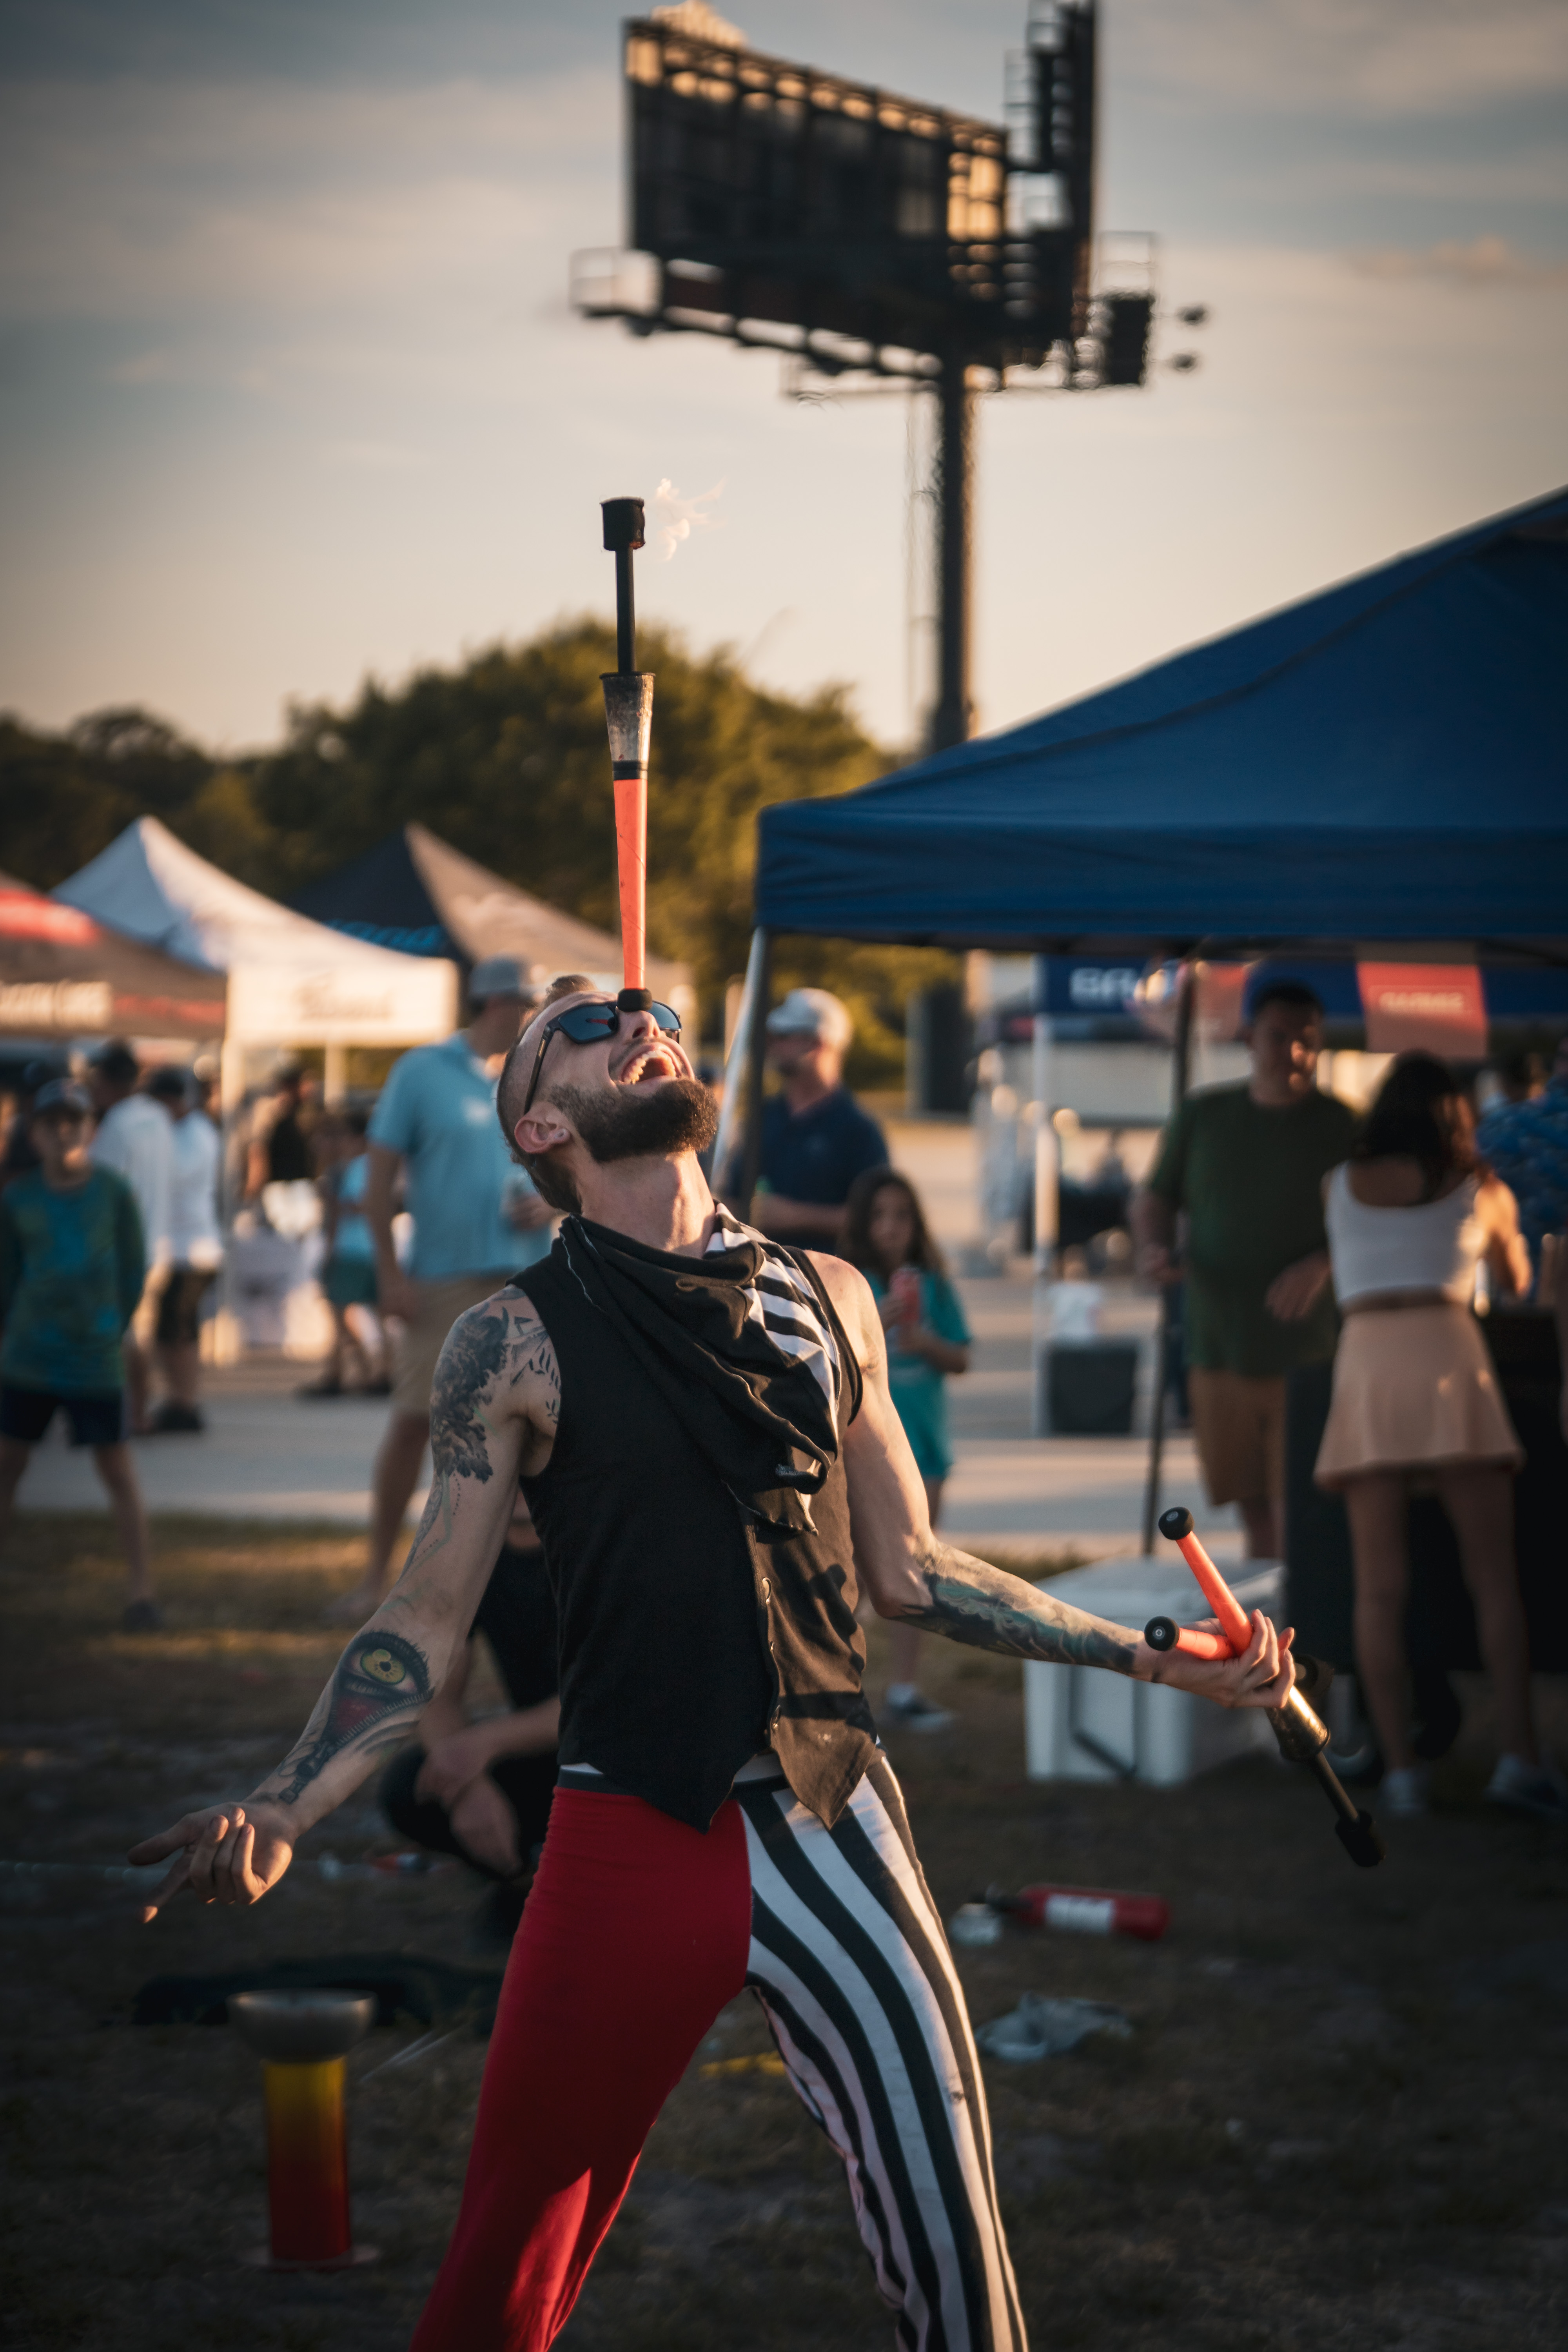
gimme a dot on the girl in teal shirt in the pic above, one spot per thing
(928, 1340)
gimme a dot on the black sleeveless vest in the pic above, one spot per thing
(691, 1633)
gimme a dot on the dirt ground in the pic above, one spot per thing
(1337, 2122)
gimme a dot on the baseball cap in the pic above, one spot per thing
(115, 1061)
(499, 975)
(812, 1013)
(63, 1094)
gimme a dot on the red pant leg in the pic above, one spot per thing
(633, 1936)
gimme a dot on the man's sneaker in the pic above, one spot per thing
(1537, 1789)
(1403, 1792)
(909, 1710)
(143, 1617)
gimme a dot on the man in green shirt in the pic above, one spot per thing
(1245, 1166)
(72, 1266)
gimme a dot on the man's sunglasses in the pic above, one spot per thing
(584, 1024)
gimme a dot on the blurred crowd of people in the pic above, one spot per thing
(1299, 1234)
(1303, 1235)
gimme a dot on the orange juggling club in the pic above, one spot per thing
(1300, 1732)
(628, 717)
(1234, 1622)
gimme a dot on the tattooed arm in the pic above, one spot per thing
(910, 1574)
(494, 1411)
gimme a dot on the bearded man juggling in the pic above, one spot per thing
(701, 1422)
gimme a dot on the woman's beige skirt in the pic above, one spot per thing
(1414, 1390)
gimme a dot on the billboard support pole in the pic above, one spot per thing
(953, 720)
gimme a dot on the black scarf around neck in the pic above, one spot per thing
(757, 1413)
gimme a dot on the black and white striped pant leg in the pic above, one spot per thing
(850, 1959)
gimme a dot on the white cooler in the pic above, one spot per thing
(1083, 1723)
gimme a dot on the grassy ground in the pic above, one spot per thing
(1338, 2121)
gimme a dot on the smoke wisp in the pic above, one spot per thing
(675, 517)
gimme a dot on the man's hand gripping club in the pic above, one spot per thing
(910, 1573)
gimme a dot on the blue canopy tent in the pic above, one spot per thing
(1384, 763)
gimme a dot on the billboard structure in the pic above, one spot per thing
(792, 210)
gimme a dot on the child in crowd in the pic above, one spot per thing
(72, 1266)
(348, 1275)
(928, 1340)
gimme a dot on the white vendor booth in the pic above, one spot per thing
(1083, 1723)
(292, 982)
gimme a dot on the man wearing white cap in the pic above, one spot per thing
(476, 1219)
(816, 1138)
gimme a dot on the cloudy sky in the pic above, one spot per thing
(290, 390)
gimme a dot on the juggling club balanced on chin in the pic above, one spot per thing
(628, 717)
(1302, 1735)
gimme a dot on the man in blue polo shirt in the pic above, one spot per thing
(476, 1221)
(815, 1138)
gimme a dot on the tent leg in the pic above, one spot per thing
(225, 1340)
(1045, 1179)
(759, 982)
(1181, 1059)
(727, 1169)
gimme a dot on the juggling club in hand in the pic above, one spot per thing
(1300, 1731)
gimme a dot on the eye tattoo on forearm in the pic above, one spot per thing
(380, 1681)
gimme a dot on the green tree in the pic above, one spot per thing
(504, 757)
(63, 798)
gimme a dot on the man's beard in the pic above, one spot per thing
(635, 1123)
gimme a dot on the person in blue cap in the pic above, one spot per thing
(815, 1138)
(72, 1266)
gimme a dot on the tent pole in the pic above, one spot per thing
(1045, 1179)
(757, 1057)
(726, 1174)
(1180, 1057)
(227, 1343)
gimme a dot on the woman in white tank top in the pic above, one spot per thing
(1410, 1218)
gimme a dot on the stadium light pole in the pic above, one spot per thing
(854, 231)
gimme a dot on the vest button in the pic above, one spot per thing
(767, 1590)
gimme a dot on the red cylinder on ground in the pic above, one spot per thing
(1092, 1911)
(307, 2161)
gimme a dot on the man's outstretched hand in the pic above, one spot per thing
(225, 1853)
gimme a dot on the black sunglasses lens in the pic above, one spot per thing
(668, 1020)
(584, 1023)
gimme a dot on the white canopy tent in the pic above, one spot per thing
(292, 982)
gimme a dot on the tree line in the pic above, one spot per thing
(505, 757)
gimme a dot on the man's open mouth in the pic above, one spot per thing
(657, 1062)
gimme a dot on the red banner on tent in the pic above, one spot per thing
(26, 915)
(1434, 1008)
